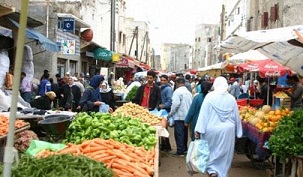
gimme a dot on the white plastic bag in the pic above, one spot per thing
(197, 157)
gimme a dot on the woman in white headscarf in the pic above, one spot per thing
(107, 95)
(219, 123)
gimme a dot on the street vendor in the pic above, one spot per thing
(296, 92)
(44, 102)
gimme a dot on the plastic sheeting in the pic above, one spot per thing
(27, 63)
(4, 65)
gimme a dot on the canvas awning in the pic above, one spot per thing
(5, 10)
(46, 43)
(284, 45)
(102, 54)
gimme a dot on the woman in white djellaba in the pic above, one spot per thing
(219, 123)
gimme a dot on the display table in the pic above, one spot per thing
(257, 137)
(4, 137)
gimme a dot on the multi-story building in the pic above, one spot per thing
(245, 15)
(137, 40)
(206, 36)
(176, 57)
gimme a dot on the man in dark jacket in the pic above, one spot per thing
(148, 95)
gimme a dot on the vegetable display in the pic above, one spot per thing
(4, 120)
(125, 160)
(22, 140)
(59, 165)
(131, 94)
(287, 138)
(103, 125)
(136, 111)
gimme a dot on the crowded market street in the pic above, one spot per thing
(171, 166)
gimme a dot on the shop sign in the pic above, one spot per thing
(68, 25)
(115, 57)
(68, 47)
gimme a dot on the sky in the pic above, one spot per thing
(174, 21)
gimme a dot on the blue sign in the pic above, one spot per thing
(68, 25)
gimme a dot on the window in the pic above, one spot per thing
(209, 39)
(199, 39)
(72, 67)
(237, 11)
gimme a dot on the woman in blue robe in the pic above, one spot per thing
(219, 123)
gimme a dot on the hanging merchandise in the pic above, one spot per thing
(27, 63)
(4, 65)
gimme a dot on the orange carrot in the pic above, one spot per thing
(121, 173)
(102, 143)
(119, 154)
(89, 149)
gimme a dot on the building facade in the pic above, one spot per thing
(206, 36)
(176, 57)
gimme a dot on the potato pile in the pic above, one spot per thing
(136, 111)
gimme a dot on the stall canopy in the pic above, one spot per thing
(283, 45)
(102, 54)
(125, 63)
(265, 68)
(46, 43)
(251, 55)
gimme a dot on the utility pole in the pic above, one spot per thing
(134, 35)
(145, 38)
(137, 44)
(112, 25)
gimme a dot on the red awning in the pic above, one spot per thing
(193, 71)
(144, 66)
(125, 62)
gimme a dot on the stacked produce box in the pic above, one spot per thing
(282, 100)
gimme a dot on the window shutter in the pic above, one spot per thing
(274, 13)
(264, 20)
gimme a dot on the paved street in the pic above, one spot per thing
(171, 166)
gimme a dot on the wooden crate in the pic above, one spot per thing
(269, 173)
(157, 153)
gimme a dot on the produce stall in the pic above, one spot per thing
(20, 126)
(258, 139)
(125, 142)
(258, 125)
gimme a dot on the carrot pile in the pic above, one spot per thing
(4, 122)
(125, 160)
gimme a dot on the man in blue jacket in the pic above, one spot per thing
(166, 102)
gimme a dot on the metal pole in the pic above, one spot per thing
(137, 45)
(9, 153)
(47, 17)
(112, 25)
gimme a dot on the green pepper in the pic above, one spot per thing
(114, 134)
(136, 138)
(111, 126)
(88, 131)
(88, 122)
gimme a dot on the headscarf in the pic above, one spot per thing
(205, 87)
(96, 80)
(95, 83)
(107, 89)
(220, 85)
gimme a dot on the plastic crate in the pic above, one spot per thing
(256, 102)
(242, 102)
